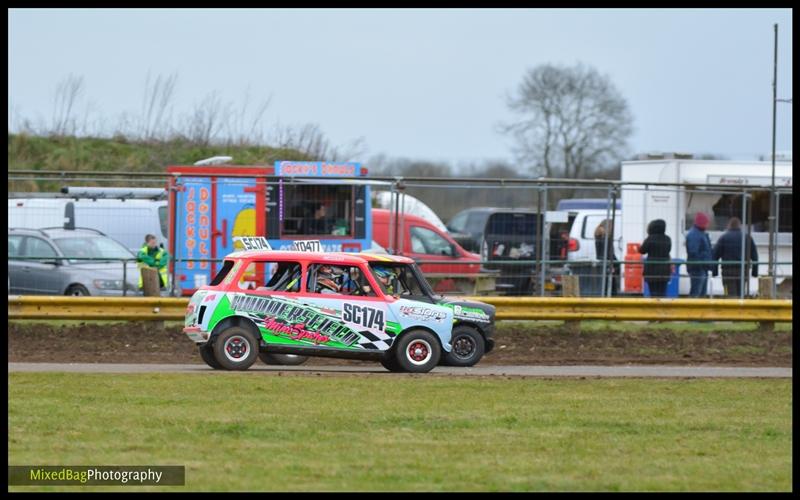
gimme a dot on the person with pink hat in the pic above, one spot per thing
(698, 256)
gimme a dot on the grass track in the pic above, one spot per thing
(410, 433)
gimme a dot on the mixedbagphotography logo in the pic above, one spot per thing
(97, 475)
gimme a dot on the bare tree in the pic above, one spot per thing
(309, 140)
(245, 127)
(206, 120)
(68, 92)
(573, 122)
(157, 99)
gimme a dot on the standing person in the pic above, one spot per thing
(605, 252)
(154, 256)
(729, 249)
(656, 246)
(698, 256)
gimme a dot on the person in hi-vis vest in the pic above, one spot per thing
(153, 256)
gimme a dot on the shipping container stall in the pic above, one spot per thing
(211, 205)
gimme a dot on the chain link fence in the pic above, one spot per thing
(523, 237)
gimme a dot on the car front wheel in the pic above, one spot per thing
(236, 348)
(467, 349)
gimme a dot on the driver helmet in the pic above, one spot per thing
(329, 280)
(382, 272)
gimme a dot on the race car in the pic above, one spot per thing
(283, 306)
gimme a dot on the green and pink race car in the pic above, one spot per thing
(283, 306)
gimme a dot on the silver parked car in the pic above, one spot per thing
(57, 267)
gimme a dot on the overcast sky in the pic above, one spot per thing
(419, 83)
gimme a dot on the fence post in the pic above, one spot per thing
(150, 282)
(605, 244)
(124, 278)
(544, 252)
(742, 248)
(570, 287)
(612, 275)
(774, 256)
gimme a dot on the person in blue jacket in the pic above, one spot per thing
(729, 248)
(698, 256)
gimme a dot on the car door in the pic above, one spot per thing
(16, 267)
(41, 274)
(368, 323)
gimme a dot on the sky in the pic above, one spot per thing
(424, 84)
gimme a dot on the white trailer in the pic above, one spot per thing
(677, 205)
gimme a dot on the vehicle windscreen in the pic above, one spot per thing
(91, 248)
(406, 280)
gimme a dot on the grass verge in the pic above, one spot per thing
(409, 433)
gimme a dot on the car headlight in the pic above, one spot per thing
(108, 284)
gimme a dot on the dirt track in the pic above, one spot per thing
(546, 345)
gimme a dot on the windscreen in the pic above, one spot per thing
(77, 248)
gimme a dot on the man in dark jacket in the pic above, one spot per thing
(698, 256)
(729, 248)
(657, 267)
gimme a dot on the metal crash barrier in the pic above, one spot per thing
(508, 308)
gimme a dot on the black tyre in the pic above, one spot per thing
(236, 348)
(390, 362)
(468, 347)
(417, 351)
(77, 291)
(207, 353)
(282, 359)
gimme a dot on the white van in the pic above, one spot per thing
(125, 220)
(581, 245)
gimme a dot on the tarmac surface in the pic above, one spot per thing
(639, 371)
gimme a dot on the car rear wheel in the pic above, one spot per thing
(282, 359)
(207, 353)
(77, 291)
(236, 348)
(417, 351)
(468, 347)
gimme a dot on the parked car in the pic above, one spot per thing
(422, 241)
(45, 262)
(581, 249)
(344, 305)
(125, 220)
